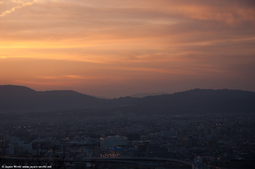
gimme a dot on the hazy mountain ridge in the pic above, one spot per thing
(23, 99)
(200, 101)
(141, 95)
(20, 99)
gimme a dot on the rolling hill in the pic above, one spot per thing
(23, 99)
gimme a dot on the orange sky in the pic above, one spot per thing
(116, 48)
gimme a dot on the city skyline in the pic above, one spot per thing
(116, 48)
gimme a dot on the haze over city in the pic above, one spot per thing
(116, 48)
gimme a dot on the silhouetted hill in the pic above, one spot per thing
(141, 95)
(11, 90)
(23, 99)
(199, 101)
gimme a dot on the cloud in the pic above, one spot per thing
(107, 41)
(21, 5)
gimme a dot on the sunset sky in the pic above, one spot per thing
(116, 48)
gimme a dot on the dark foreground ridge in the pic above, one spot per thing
(199, 128)
(22, 99)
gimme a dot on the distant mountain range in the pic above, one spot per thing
(23, 99)
(141, 95)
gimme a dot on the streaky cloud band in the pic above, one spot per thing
(17, 7)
